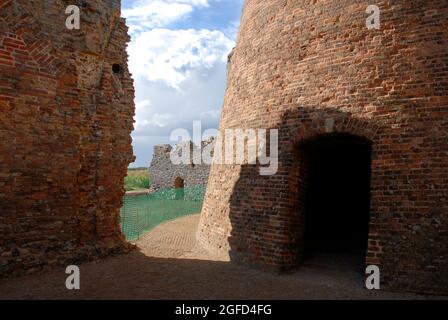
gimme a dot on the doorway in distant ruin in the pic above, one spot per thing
(337, 200)
(179, 186)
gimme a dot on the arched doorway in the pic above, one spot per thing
(336, 173)
(179, 185)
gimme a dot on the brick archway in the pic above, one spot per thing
(344, 125)
(330, 189)
(179, 183)
(307, 133)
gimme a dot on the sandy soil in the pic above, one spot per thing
(170, 265)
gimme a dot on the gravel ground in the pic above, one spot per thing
(169, 265)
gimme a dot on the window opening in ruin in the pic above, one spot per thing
(116, 68)
(337, 200)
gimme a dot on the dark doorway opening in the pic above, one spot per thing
(179, 183)
(337, 199)
(179, 186)
(117, 68)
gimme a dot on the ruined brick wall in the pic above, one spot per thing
(65, 124)
(163, 172)
(313, 67)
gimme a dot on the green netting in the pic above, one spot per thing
(141, 213)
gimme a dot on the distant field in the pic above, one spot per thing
(137, 179)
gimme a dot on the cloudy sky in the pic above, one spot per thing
(178, 57)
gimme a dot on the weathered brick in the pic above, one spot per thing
(298, 64)
(52, 162)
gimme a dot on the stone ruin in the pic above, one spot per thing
(164, 174)
(66, 115)
(339, 91)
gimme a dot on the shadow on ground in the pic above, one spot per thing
(136, 276)
(145, 274)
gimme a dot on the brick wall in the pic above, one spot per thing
(65, 124)
(310, 68)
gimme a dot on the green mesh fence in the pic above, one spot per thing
(141, 213)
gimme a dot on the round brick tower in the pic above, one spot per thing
(316, 72)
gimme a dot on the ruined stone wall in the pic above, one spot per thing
(65, 124)
(310, 68)
(163, 172)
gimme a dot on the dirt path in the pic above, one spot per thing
(171, 266)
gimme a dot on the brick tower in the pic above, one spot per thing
(362, 115)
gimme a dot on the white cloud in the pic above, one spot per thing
(154, 118)
(162, 108)
(148, 14)
(180, 74)
(211, 113)
(170, 55)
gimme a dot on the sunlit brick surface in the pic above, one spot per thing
(65, 124)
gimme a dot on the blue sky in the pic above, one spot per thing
(177, 56)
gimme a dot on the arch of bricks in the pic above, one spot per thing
(347, 124)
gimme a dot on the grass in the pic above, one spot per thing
(137, 179)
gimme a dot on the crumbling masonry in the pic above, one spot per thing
(164, 174)
(66, 114)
